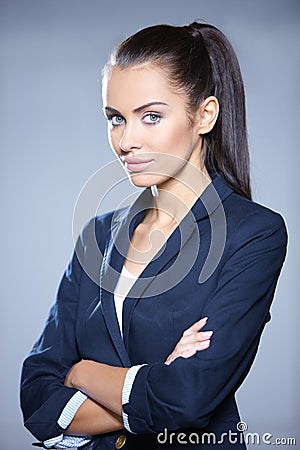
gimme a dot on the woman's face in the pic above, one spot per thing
(148, 126)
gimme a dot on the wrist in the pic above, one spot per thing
(81, 373)
(75, 376)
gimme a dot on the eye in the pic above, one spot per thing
(115, 120)
(152, 118)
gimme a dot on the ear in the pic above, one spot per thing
(207, 114)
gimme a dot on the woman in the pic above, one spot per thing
(153, 357)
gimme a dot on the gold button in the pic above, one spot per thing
(120, 442)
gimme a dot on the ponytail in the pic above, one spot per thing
(227, 144)
(199, 59)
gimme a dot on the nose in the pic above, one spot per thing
(130, 139)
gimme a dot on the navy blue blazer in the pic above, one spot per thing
(223, 262)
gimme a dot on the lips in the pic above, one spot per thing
(136, 164)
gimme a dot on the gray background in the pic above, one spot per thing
(53, 138)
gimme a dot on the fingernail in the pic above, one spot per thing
(206, 333)
(204, 319)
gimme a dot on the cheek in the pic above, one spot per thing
(174, 145)
(113, 140)
(183, 137)
(176, 139)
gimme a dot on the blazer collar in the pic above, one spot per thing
(214, 194)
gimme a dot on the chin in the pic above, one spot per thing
(145, 181)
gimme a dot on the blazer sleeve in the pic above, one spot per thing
(185, 393)
(43, 394)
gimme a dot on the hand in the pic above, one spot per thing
(192, 341)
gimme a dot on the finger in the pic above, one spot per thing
(180, 349)
(187, 352)
(195, 327)
(203, 335)
(199, 337)
(203, 345)
(195, 337)
(196, 348)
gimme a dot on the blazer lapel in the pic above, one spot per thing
(162, 273)
(122, 227)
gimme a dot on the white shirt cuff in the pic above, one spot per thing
(126, 391)
(63, 441)
(64, 421)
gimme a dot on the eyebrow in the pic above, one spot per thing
(136, 110)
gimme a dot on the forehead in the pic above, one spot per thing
(134, 86)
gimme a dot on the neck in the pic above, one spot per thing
(177, 195)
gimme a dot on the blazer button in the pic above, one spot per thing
(120, 442)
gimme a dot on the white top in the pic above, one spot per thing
(125, 283)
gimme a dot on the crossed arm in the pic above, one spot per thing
(103, 384)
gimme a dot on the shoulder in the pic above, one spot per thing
(248, 220)
(242, 212)
(100, 226)
(243, 216)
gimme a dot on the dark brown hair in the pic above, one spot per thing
(200, 60)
